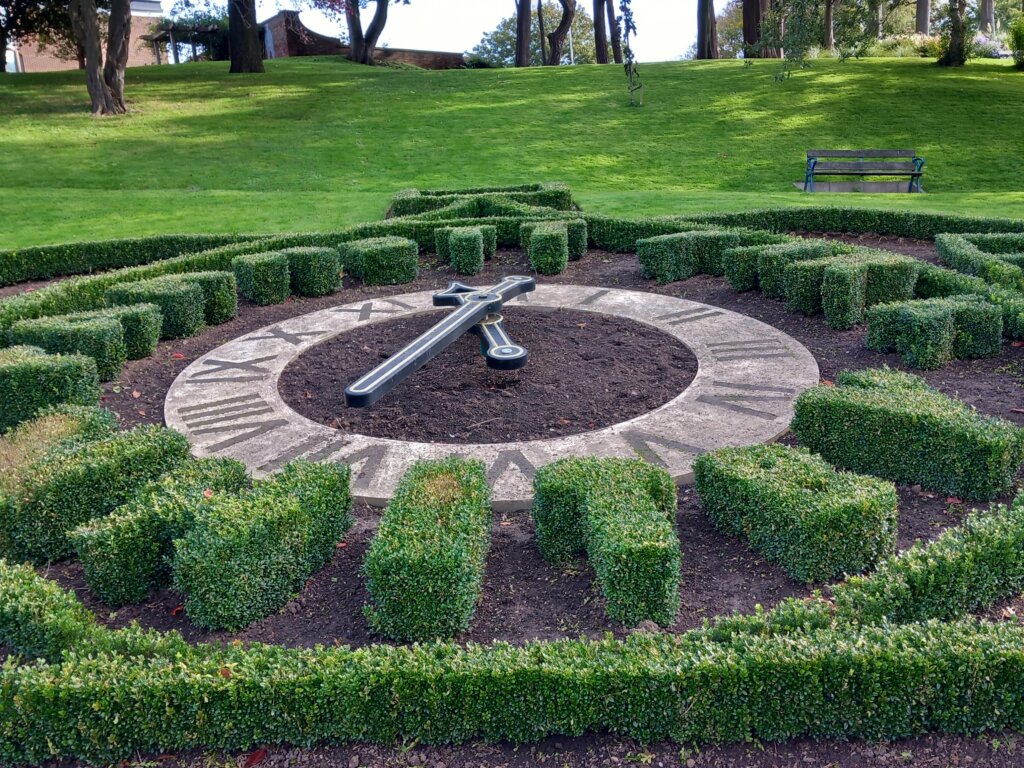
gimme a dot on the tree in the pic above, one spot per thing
(987, 16)
(600, 32)
(362, 42)
(922, 16)
(707, 30)
(244, 37)
(24, 20)
(730, 30)
(498, 47)
(556, 39)
(955, 51)
(104, 80)
(616, 30)
(523, 36)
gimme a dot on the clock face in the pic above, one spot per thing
(749, 375)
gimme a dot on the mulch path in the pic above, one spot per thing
(523, 597)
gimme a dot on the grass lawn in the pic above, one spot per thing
(322, 143)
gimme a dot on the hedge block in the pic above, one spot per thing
(381, 260)
(263, 278)
(425, 567)
(548, 247)
(893, 425)
(621, 512)
(798, 511)
(576, 237)
(682, 255)
(31, 379)
(246, 556)
(67, 488)
(140, 325)
(128, 553)
(959, 253)
(313, 271)
(182, 304)
(220, 294)
(773, 260)
(928, 333)
(466, 250)
(101, 338)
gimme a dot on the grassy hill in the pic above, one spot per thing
(321, 143)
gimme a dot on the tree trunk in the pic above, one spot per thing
(374, 31)
(524, 27)
(557, 38)
(956, 54)
(119, 33)
(769, 6)
(86, 25)
(540, 28)
(3, 50)
(707, 30)
(987, 16)
(356, 41)
(874, 21)
(751, 27)
(80, 54)
(244, 37)
(600, 32)
(922, 20)
(616, 33)
(829, 43)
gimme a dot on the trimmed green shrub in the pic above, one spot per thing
(490, 235)
(893, 425)
(466, 250)
(100, 338)
(313, 271)
(621, 512)
(181, 302)
(798, 511)
(616, 235)
(30, 380)
(410, 202)
(220, 293)
(442, 244)
(968, 568)
(935, 282)
(263, 278)
(668, 258)
(381, 260)
(576, 237)
(740, 266)
(548, 247)
(246, 556)
(140, 326)
(65, 489)
(127, 554)
(773, 260)
(928, 333)
(39, 619)
(425, 567)
(961, 254)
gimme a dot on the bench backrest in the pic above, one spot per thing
(858, 154)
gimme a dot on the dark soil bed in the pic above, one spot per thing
(523, 597)
(584, 372)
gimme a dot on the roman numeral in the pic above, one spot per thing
(595, 297)
(316, 448)
(505, 460)
(277, 332)
(218, 367)
(367, 310)
(748, 349)
(747, 396)
(232, 414)
(690, 315)
(373, 456)
(643, 444)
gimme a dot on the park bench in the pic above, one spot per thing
(864, 162)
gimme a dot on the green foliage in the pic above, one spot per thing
(181, 302)
(263, 278)
(314, 271)
(548, 247)
(411, 202)
(576, 237)
(968, 568)
(1015, 40)
(893, 425)
(101, 338)
(31, 379)
(220, 293)
(798, 511)
(425, 567)
(466, 250)
(773, 260)
(128, 553)
(140, 326)
(389, 260)
(681, 255)
(246, 556)
(497, 48)
(959, 253)
(64, 489)
(928, 333)
(39, 619)
(621, 512)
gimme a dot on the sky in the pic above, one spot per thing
(665, 28)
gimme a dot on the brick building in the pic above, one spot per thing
(27, 57)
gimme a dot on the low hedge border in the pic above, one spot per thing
(263, 278)
(101, 338)
(64, 489)
(182, 303)
(621, 512)
(547, 247)
(773, 260)
(410, 202)
(425, 567)
(466, 250)
(31, 379)
(959, 253)
(797, 511)
(681, 255)
(927, 333)
(893, 425)
(140, 324)
(937, 282)
(381, 260)
(576, 237)
(313, 271)
(244, 557)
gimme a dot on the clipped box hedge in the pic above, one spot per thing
(263, 278)
(101, 338)
(576, 237)
(313, 271)
(798, 511)
(31, 379)
(140, 326)
(389, 260)
(425, 567)
(128, 553)
(466, 250)
(893, 425)
(53, 427)
(246, 556)
(927, 333)
(411, 202)
(547, 247)
(967, 568)
(220, 293)
(621, 512)
(681, 255)
(772, 261)
(182, 303)
(959, 253)
(65, 489)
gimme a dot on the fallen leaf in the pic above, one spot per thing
(564, 422)
(136, 394)
(1017, 410)
(255, 758)
(224, 672)
(341, 544)
(177, 356)
(505, 523)
(581, 325)
(828, 383)
(954, 500)
(1017, 343)
(1009, 613)
(177, 609)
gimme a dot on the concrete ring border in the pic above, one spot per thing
(749, 376)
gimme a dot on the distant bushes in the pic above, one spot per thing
(411, 202)
(31, 379)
